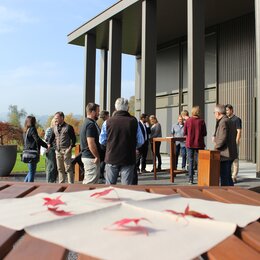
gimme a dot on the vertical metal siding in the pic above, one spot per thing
(236, 78)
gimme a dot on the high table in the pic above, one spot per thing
(172, 142)
(244, 244)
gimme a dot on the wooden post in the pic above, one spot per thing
(208, 168)
(78, 176)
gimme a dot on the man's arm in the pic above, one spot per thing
(238, 136)
(103, 134)
(93, 148)
(221, 141)
(72, 136)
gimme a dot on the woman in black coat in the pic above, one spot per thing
(33, 142)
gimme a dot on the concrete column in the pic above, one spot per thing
(114, 63)
(148, 56)
(257, 32)
(137, 87)
(196, 49)
(103, 80)
(90, 70)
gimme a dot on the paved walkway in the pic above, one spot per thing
(246, 177)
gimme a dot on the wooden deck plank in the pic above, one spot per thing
(46, 189)
(76, 187)
(31, 248)
(86, 257)
(228, 197)
(193, 193)
(164, 191)
(255, 197)
(232, 248)
(3, 186)
(16, 190)
(7, 239)
(251, 235)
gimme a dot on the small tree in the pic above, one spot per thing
(15, 115)
(10, 134)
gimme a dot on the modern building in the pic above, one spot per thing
(188, 52)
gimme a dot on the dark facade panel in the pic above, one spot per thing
(236, 76)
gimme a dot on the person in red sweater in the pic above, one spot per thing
(195, 130)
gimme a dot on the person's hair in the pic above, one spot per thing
(61, 114)
(29, 121)
(121, 104)
(229, 106)
(143, 116)
(103, 114)
(195, 111)
(91, 107)
(221, 109)
(153, 117)
(52, 122)
(185, 113)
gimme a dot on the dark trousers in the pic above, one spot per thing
(192, 157)
(51, 166)
(225, 173)
(157, 153)
(141, 157)
(183, 155)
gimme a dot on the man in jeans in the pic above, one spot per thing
(65, 140)
(121, 134)
(89, 143)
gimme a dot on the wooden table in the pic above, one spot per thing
(172, 142)
(244, 244)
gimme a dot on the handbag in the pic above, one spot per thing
(29, 156)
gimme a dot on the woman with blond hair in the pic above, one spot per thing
(195, 131)
(51, 164)
(156, 131)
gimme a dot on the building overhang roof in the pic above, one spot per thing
(171, 21)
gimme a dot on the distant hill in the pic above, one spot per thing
(40, 119)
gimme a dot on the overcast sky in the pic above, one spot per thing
(39, 70)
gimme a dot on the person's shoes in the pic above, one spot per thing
(144, 171)
(138, 171)
(191, 182)
(234, 180)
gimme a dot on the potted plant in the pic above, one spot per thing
(10, 136)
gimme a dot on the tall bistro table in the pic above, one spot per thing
(172, 142)
(243, 244)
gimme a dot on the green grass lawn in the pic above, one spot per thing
(22, 167)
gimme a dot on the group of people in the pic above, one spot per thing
(226, 139)
(123, 142)
(118, 145)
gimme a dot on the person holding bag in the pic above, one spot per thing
(32, 144)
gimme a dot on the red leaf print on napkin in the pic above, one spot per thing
(53, 202)
(59, 212)
(101, 193)
(188, 212)
(122, 225)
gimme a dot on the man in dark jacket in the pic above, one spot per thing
(121, 134)
(65, 140)
(225, 142)
(142, 151)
